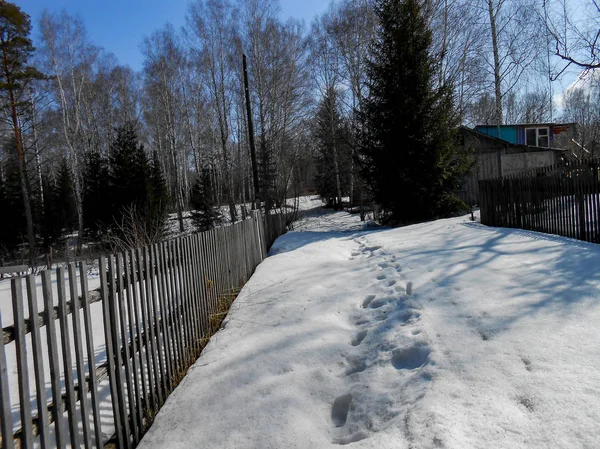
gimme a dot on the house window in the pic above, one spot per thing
(537, 137)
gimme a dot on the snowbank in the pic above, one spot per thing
(444, 334)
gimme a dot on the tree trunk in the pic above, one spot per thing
(497, 78)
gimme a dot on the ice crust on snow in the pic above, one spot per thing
(442, 334)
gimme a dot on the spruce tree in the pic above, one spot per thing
(97, 203)
(408, 145)
(204, 213)
(333, 157)
(129, 173)
(50, 226)
(159, 189)
(65, 200)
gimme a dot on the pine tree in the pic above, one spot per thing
(204, 214)
(97, 203)
(408, 146)
(15, 50)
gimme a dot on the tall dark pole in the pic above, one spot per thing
(251, 136)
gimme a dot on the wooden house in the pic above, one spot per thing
(508, 149)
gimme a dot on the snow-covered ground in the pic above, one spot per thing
(444, 334)
(303, 203)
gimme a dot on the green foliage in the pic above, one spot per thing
(129, 172)
(11, 205)
(97, 204)
(204, 213)
(332, 138)
(159, 190)
(16, 49)
(408, 151)
(138, 206)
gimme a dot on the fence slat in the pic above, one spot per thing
(146, 344)
(67, 359)
(52, 340)
(123, 348)
(158, 353)
(91, 356)
(111, 337)
(168, 341)
(134, 337)
(84, 405)
(43, 423)
(6, 422)
(16, 286)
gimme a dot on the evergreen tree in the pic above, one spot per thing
(50, 225)
(16, 48)
(11, 205)
(65, 200)
(333, 157)
(408, 144)
(204, 214)
(159, 189)
(97, 203)
(129, 173)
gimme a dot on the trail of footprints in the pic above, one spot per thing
(378, 314)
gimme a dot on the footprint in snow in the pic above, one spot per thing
(340, 409)
(356, 436)
(356, 366)
(390, 283)
(358, 338)
(410, 357)
(381, 277)
(368, 301)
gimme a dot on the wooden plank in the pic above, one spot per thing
(157, 352)
(145, 343)
(14, 269)
(67, 359)
(113, 351)
(175, 307)
(43, 424)
(91, 356)
(51, 338)
(201, 285)
(135, 338)
(191, 266)
(123, 348)
(192, 292)
(203, 276)
(183, 311)
(168, 341)
(80, 363)
(172, 310)
(16, 286)
(6, 422)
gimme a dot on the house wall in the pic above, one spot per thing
(518, 162)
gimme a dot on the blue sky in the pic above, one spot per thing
(120, 25)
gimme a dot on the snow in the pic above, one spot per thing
(442, 334)
(304, 203)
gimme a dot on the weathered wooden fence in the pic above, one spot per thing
(103, 364)
(562, 200)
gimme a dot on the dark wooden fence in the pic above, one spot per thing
(159, 306)
(562, 200)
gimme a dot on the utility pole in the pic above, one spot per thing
(251, 136)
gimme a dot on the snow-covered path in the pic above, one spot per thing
(444, 334)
